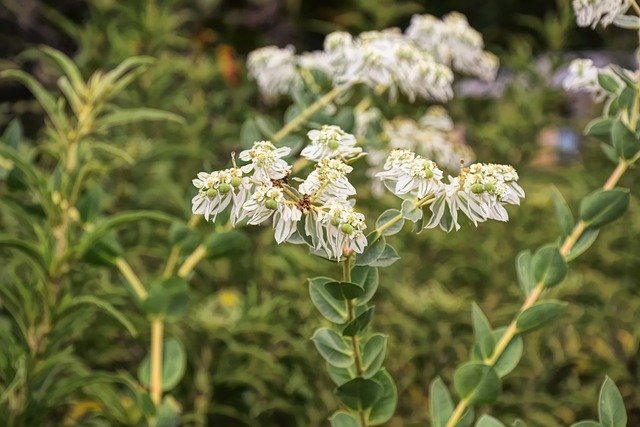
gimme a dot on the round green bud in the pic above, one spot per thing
(477, 188)
(271, 204)
(335, 222)
(490, 187)
(236, 181)
(347, 228)
(212, 192)
(428, 173)
(224, 188)
(333, 144)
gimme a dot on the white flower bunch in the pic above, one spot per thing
(274, 70)
(259, 191)
(453, 42)
(417, 62)
(583, 75)
(591, 12)
(480, 191)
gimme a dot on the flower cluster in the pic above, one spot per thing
(417, 62)
(583, 75)
(591, 12)
(454, 43)
(319, 211)
(480, 191)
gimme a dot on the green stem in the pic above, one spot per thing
(534, 295)
(355, 346)
(308, 112)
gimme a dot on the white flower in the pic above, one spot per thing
(339, 229)
(411, 174)
(218, 189)
(328, 181)
(592, 12)
(480, 193)
(330, 141)
(267, 201)
(266, 161)
(274, 71)
(582, 76)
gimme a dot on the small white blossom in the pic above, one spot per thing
(267, 201)
(218, 189)
(266, 161)
(411, 174)
(328, 181)
(591, 12)
(582, 76)
(340, 228)
(330, 141)
(274, 70)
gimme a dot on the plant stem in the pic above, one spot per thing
(155, 382)
(192, 260)
(355, 346)
(132, 278)
(308, 112)
(534, 295)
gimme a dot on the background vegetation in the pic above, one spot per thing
(249, 359)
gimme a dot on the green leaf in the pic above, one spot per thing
(482, 331)
(609, 152)
(375, 246)
(344, 290)
(174, 364)
(624, 140)
(29, 249)
(102, 305)
(358, 324)
(488, 421)
(126, 116)
(608, 82)
(604, 206)
(611, 408)
(410, 212)
(548, 266)
(344, 419)
(168, 414)
(440, 403)
(67, 66)
(525, 272)
(367, 277)
(373, 354)
(333, 348)
(477, 382)
(583, 243)
(226, 243)
(600, 128)
(12, 135)
(586, 423)
(538, 315)
(386, 258)
(333, 309)
(104, 251)
(626, 98)
(46, 100)
(511, 355)
(387, 217)
(103, 227)
(385, 405)
(518, 423)
(359, 393)
(249, 132)
(565, 217)
(340, 375)
(168, 298)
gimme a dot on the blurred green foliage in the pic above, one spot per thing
(249, 359)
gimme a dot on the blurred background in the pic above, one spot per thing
(250, 360)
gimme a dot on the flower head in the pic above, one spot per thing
(216, 190)
(266, 161)
(328, 181)
(591, 12)
(341, 229)
(274, 70)
(330, 141)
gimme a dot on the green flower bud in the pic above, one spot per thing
(477, 188)
(236, 181)
(428, 173)
(347, 228)
(335, 222)
(271, 204)
(490, 187)
(224, 188)
(333, 144)
(212, 192)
